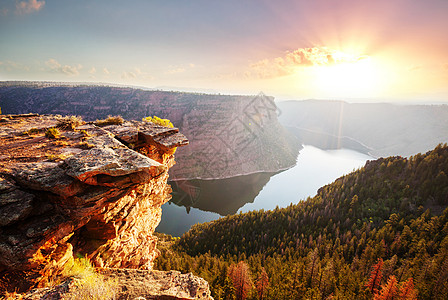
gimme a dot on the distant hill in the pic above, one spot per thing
(376, 128)
(387, 220)
(229, 135)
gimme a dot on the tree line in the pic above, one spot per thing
(380, 232)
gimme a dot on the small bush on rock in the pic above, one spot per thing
(70, 122)
(52, 133)
(115, 120)
(90, 284)
(159, 121)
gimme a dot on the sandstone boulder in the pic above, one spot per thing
(90, 191)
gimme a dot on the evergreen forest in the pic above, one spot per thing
(380, 232)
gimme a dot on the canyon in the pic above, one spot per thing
(377, 129)
(230, 135)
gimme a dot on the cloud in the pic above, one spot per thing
(11, 66)
(128, 75)
(175, 71)
(53, 63)
(302, 57)
(28, 7)
(92, 72)
(56, 67)
(106, 71)
(136, 73)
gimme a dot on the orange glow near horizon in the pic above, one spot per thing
(351, 78)
(376, 50)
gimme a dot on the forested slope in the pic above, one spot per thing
(388, 216)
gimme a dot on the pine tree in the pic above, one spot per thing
(228, 290)
(313, 260)
(262, 283)
(242, 281)
(407, 290)
(375, 277)
(388, 290)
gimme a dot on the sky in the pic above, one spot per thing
(383, 50)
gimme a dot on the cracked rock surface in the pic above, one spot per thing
(94, 191)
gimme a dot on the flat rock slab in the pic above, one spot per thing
(158, 284)
(128, 134)
(148, 132)
(174, 140)
(113, 162)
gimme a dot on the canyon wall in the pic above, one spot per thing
(229, 135)
(378, 129)
(81, 190)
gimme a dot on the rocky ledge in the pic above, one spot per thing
(71, 188)
(136, 285)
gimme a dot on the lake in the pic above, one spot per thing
(198, 201)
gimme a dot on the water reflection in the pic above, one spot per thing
(315, 168)
(198, 201)
(176, 221)
(224, 196)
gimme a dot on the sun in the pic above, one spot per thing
(348, 78)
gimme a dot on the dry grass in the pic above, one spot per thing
(57, 157)
(11, 296)
(87, 284)
(111, 120)
(33, 131)
(70, 122)
(90, 285)
(84, 145)
(61, 143)
(85, 133)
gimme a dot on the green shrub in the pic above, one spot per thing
(52, 133)
(159, 121)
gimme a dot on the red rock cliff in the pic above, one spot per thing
(230, 135)
(94, 191)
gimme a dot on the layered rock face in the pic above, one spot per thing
(94, 191)
(229, 135)
(234, 136)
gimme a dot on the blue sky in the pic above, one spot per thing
(289, 49)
